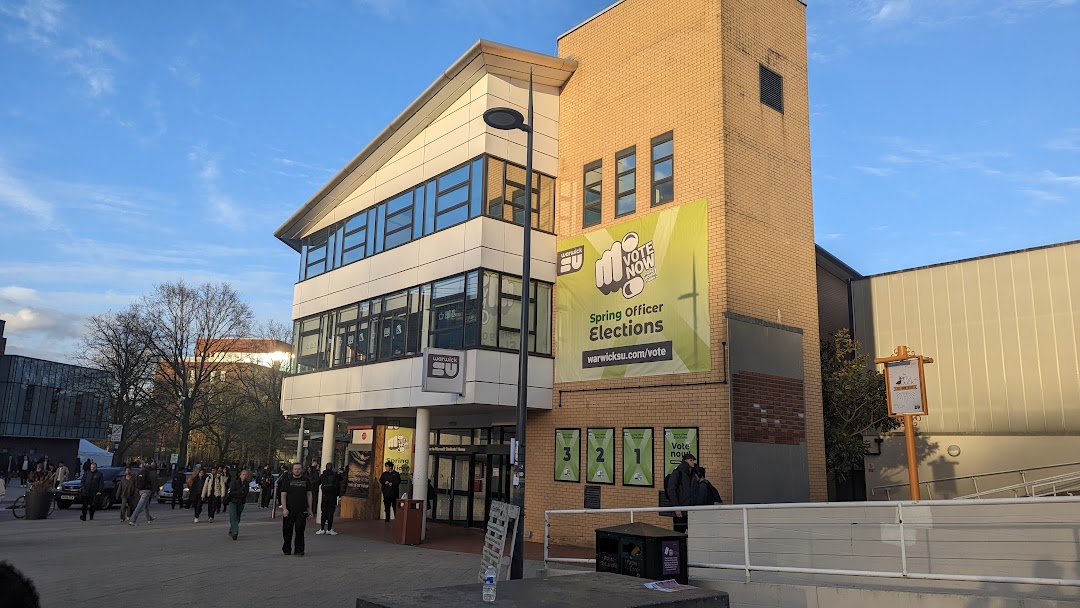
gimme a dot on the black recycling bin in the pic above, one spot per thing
(37, 503)
(642, 550)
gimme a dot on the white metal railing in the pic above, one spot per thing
(904, 572)
(1051, 487)
(928, 484)
(1029, 488)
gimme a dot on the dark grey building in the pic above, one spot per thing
(47, 407)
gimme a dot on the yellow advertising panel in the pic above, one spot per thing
(633, 299)
(398, 449)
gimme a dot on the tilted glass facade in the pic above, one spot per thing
(483, 186)
(48, 399)
(476, 309)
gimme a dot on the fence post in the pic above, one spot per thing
(631, 517)
(746, 543)
(976, 482)
(903, 537)
(547, 530)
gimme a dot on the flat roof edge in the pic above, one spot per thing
(974, 259)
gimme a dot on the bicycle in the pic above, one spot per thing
(18, 508)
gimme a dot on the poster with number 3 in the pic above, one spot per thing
(568, 455)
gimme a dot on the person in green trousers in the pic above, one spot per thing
(236, 497)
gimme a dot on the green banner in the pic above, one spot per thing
(637, 457)
(600, 456)
(568, 455)
(634, 298)
(678, 441)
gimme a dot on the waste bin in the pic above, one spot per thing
(37, 503)
(642, 550)
(408, 522)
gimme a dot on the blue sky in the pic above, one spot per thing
(145, 142)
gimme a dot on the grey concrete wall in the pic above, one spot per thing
(1029, 540)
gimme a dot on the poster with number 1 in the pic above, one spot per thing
(637, 457)
(568, 455)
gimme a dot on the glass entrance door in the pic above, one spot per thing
(453, 482)
(479, 492)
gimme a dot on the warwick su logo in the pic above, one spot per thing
(444, 367)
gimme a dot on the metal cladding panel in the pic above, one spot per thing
(1004, 332)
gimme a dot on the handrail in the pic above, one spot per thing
(1027, 486)
(873, 490)
(904, 572)
(1065, 481)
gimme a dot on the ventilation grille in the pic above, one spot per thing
(772, 89)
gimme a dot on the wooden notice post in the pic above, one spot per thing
(905, 390)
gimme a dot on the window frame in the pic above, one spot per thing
(657, 141)
(619, 195)
(596, 166)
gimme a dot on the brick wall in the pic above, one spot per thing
(767, 408)
(647, 67)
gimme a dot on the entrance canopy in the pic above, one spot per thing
(89, 451)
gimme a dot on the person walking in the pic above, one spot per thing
(389, 481)
(679, 487)
(197, 493)
(218, 488)
(24, 469)
(329, 482)
(313, 475)
(295, 496)
(179, 480)
(62, 475)
(145, 481)
(236, 498)
(266, 484)
(126, 494)
(93, 482)
(3, 488)
(39, 474)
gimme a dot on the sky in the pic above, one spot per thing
(142, 143)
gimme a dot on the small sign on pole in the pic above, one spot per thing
(905, 393)
(174, 458)
(117, 433)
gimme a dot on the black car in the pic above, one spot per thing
(69, 492)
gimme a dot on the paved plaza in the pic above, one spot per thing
(174, 562)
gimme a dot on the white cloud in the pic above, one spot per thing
(15, 194)
(1051, 177)
(46, 28)
(833, 236)
(18, 294)
(1042, 196)
(1069, 141)
(891, 11)
(223, 209)
(878, 171)
(387, 9)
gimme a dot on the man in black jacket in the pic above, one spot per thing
(179, 480)
(313, 477)
(390, 482)
(680, 489)
(329, 482)
(93, 482)
(266, 484)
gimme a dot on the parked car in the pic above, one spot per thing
(165, 494)
(69, 492)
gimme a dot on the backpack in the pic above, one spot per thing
(667, 481)
(142, 480)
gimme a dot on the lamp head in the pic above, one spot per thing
(504, 119)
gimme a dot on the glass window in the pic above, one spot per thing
(593, 205)
(308, 335)
(472, 309)
(663, 184)
(476, 187)
(542, 316)
(625, 182)
(448, 313)
(455, 177)
(489, 317)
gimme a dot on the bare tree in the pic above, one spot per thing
(259, 384)
(116, 343)
(192, 330)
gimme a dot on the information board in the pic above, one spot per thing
(677, 442)
(358, 474)
(905, 387)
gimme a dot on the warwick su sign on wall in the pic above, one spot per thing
(633, 299)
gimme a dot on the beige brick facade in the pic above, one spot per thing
(646, 67)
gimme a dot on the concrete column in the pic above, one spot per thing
(422, 442)
(328, 434)
(299, 443)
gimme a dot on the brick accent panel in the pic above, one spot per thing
(768, 409)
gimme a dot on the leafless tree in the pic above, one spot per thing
(192, 330)
(259, 385)
(116, 343)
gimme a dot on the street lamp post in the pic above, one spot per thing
(508, 119)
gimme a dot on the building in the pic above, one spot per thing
(47, 407)
(1003, 393)
(673, 226)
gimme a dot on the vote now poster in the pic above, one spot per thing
(634, 298)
